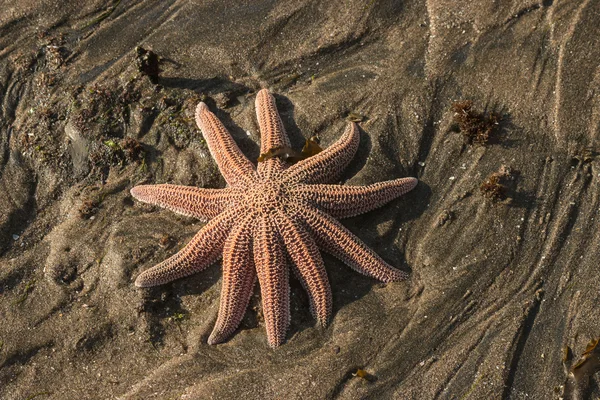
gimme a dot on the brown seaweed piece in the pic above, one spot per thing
(355, 117)
(577, 385)
(311, 147)
(496, 186)
(363, 374)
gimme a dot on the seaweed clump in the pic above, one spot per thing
(584, 156)
(90, 204)
(497, 185)
(101, 112)
(132, 149)
(176, 120)
(477, 128)
(88, 208)
(147, 63)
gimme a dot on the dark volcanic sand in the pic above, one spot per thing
(501, 281)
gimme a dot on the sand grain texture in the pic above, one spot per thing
(498, 287)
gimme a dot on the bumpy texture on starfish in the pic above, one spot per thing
(268, 218)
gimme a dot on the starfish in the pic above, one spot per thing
(270, 217)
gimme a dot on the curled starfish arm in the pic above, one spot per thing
(272, 133)
(335, 239)
(239, 277)
(273, 277)
(308, 266)
(349, 201)
(328, 165)
(234, 166)
(201, 203)
(202, 251)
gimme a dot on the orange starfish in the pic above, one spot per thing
(269, 217)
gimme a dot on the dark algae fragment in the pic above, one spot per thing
(477, 128)
(147, 63)
(27, 289)
(91, 204)
(132, 149)
(39, 395)
(88, 208)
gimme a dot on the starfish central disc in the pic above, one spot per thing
(267, 197)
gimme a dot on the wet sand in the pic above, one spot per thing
(504, 287)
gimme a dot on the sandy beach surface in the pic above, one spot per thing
(493, 106)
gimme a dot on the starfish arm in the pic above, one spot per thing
(328, 165)
(273, 277)
(349, 201)
(334, 238)
(272, 133)
(308, 266)
(238, 280)
(234, 166)
(201, 203)
(203, 250)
